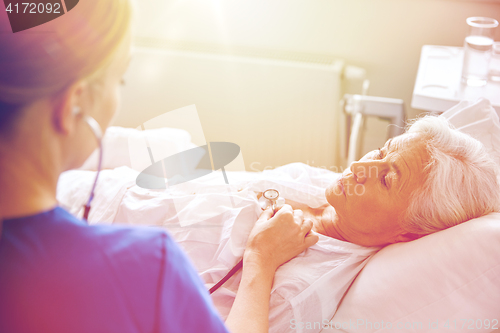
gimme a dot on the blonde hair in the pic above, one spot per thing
(42, 61)
(461, 181)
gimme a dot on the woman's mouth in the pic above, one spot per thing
(340, 182)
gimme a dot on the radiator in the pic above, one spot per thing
(279, 107)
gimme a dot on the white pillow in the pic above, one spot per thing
(480, 120)
(448, 278)
(129, 147)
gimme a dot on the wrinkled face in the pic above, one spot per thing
(374, 192)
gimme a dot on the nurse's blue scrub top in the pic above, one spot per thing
(58, 274)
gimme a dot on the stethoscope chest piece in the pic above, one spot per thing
(272, 196)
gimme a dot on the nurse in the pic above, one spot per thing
(58, 274)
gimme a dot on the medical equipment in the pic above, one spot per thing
(96, 130)
(270, 194)
(233, 270)
(358, 107)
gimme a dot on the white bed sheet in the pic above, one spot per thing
(211, 221)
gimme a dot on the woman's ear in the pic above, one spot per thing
(67, 107)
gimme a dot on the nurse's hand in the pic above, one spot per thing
(276, 239)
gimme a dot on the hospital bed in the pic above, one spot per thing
(445, 282)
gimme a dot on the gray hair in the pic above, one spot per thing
(461, 179)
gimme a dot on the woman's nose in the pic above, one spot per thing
(358, 170)
(363, 170)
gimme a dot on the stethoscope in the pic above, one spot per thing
(96, 130)
(272, 196)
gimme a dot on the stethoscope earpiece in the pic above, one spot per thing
(93, 124)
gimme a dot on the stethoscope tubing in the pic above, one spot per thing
(96, 130)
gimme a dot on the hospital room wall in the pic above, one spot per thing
(383, 36)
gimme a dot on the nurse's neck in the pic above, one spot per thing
(29, 168)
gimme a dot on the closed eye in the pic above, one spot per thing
(384, 182)
(380, 155)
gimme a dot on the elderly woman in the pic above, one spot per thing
(58, 274)
(430, 178)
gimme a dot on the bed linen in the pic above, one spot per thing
(211, 222)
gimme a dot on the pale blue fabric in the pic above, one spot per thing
(58, 274)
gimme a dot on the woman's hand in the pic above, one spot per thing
(277, 239)
(273, 241)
